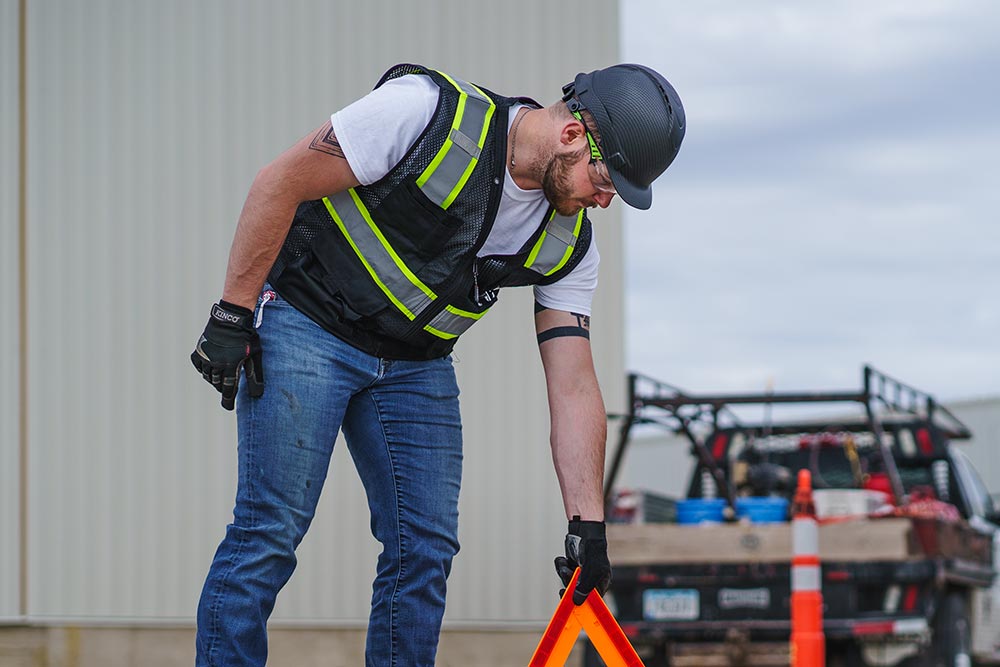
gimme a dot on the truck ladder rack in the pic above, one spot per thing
(651, 401)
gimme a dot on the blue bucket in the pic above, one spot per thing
(700, 510)
(762, 510)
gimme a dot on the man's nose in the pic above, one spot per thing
(603, 199)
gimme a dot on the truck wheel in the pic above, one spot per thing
(951, 644)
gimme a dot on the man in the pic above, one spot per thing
(366, 250)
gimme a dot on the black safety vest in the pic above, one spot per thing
(391, 267)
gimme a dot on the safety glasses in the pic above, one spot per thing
(597, 170)
(600, 177)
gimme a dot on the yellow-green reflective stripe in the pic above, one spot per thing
(538, 245)
(443, 179)
(392, 297)
(385, 267)
(448, 143)
(555, 244)
(464, 313)
(464, 178)
(489, 115)
(570, 248)
(400, 264)
(452, 322)
(439, 334)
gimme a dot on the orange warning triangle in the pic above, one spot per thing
(594, 618)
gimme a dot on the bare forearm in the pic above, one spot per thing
(262, 228)
(579, 426)
(579, 432)
(314, 167)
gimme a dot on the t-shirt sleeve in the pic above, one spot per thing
(377, 131)
(574, 292)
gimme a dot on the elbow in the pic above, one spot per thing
(272, 184)
(266, 178)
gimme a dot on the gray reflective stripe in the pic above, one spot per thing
(389, 271)
(556, 244)
(563, 229)
(452, 322)
(449, 171)
(465, 143)
(385, 267)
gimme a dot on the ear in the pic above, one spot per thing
(572, 132)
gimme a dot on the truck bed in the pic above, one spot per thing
(861, 539)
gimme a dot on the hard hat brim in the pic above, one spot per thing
(636, 197)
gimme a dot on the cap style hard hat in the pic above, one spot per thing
(640, 120)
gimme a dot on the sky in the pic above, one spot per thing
(834, 202)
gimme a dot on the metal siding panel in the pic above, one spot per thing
(9, 345)
(134, 468)
(982, 416)
(60, 503)
(141, 131)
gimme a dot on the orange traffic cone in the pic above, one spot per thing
(808, 645)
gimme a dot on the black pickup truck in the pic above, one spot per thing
(907, 535)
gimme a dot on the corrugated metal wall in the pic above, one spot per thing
(148, 122)
(9, 441)
(982, 416)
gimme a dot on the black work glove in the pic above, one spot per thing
(229, 344)
(586, 548)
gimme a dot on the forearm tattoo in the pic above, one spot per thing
(325, 141)
(581, 329)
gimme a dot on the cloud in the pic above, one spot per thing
(834, 202)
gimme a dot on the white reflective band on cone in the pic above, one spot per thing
(805, 537)
(805, 578)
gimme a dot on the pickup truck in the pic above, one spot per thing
(908, 535)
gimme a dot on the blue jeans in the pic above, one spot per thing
(402, 426)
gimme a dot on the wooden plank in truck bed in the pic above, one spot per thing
(860, 539)
(856, 540)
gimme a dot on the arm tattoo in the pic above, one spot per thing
(582, 329)
(325, 141)
(559, 332)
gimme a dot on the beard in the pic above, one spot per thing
(557, 184)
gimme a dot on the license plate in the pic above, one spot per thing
(670, 605)
(744, 598)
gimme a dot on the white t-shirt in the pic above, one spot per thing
(376, 132)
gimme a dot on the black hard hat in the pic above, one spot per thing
(640, 120)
